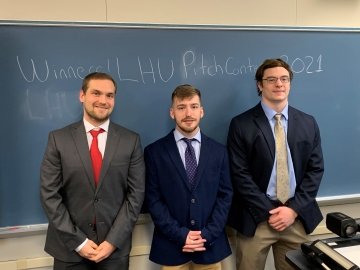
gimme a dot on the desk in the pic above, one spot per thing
(298, 260)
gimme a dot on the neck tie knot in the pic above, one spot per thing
(188, 141)
(94, 133)
(278, 117)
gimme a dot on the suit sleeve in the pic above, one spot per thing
(313, 169)
(240, 150)
(51, 180)
(126, 218)
(157, 207)
(216, 224)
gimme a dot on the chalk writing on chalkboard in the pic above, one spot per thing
(150, 70)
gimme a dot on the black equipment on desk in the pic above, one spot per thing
(325, 256)
(342, 225)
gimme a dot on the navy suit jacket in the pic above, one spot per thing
(176, 208)
(251, 148)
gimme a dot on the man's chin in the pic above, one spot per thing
(188, 129)
(101, 118)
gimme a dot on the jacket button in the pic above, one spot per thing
(193, 200)
(192, 222)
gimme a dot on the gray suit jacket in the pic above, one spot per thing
(72, 202)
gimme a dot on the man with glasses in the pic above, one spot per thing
(276, 167)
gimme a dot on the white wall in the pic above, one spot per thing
(21, 251)
(342, 13)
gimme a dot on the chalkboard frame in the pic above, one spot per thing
(190, 27)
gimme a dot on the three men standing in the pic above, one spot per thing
(276, 166)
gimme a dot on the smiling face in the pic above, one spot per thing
(187, 113)
(98, 100)
(275, 93)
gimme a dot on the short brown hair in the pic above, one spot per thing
(185, 91)
(96, 76)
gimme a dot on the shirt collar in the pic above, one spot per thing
(270, 113)
(104, 126)
(178, 136)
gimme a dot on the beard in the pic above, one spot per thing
(184, 128)
(188, 129)
(97, 116)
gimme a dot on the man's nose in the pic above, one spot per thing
(102, 98)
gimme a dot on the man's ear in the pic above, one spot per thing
(81, 95)
(172, 113)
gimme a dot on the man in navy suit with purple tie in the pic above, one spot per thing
(188, 193)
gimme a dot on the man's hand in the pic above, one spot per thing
(104, 250)
(281, 218)
(194, 242)
(89, 250)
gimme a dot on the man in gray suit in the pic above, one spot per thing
(91, 217)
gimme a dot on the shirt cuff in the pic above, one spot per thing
(81, 246)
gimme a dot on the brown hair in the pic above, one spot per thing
(185, 91)
(96, 76)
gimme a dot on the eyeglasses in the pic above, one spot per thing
(273, 80)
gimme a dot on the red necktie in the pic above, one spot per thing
(96, 158)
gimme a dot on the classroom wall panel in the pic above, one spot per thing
(231, 12)
(64, 10)
(328, 13)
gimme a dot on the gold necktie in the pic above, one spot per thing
(282, 173)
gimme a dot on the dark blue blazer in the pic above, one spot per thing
(176, 208)
(251, 148)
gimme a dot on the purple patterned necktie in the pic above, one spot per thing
(190, 160)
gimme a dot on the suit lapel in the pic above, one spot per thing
(263, 124)
(79, 135)
(205, 152)
(110, 148)
(173, 152)
(291, 129)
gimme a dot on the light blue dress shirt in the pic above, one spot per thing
(271, 190)
(182, 145)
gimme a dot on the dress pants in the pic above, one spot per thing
(251, 252)
(121, 263)
(193, 266)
